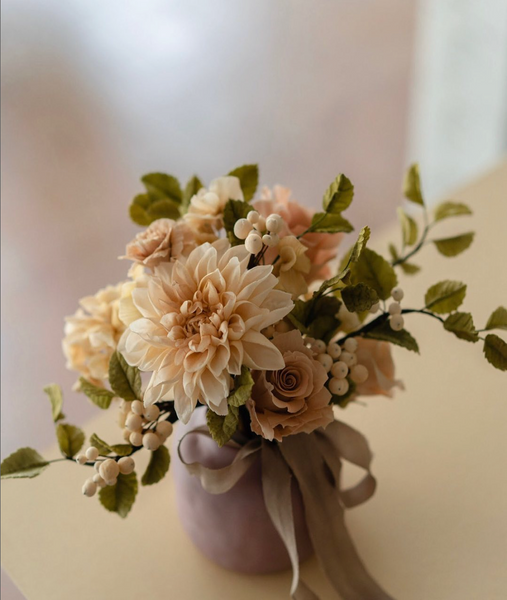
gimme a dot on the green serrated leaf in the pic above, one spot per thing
(120, 497)
(454, 245)
(54, 393)
(498, 319)
(145, 209)
(445, 297)
(374, 270)
(409, 229)
(223, 428)
(70, 439)
(243, 385)
(451, 209)
(338, 195)
(359, 297)
(462, 325)
(24, 463)
(412, 185)
(248, 176)
(161, 185)
(330, 223)
(401, 338)
(157, 467)
(99, 396)
(360, 245)
(193, 186)
(495, 350)
(233, 211)
(103, 448)
(124, 380)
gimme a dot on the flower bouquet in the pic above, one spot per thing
(255, 329)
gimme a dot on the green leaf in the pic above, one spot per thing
(193, 186)
(462, 325)
(233, 211)
(122, 449)
(124, 380)
(99, 396)
(498, 319)
(451, 209)
(223, 428)
(401, 338)
(330, 223)
(160, 186)
(409, 230)
(157, 467)
(454, 245)
(25, 462)
(409, 268)
(445, 296)
(248, 176)
(338, 195)
(360, 245)
(54, 393)
(316, 317)
(412, 185)
(495, 350)
(103, 448)
(70, 439)
(359, 297)
(145, 209)
(120, 497)
(243, 385)
(373, 270)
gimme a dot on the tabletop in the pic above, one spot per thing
(435, 529)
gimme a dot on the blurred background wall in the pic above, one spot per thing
(96, 94)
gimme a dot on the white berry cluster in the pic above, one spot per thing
(140, 426)
(106, 470)
(341, 363)
(280, 327)
(258, 231)
(396, 320)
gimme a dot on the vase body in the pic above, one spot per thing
(232, 529)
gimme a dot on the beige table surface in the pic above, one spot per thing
(435, 530)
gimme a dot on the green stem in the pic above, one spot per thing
(421, 243)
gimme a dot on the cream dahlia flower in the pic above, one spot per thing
(207, 206)
(202, 318)
(92, 334)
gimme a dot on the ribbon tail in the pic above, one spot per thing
(326, 521)
(276, 487)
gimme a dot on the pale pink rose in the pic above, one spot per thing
(376, 357)
(322, 247)
(162, 241)
(293, 399)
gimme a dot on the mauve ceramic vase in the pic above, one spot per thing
(233, 529)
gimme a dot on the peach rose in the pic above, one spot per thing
(293, 399)
(322, 247)
(162, 240)
(376, 357)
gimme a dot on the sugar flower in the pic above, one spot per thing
(293, 266)
(92, 334)
(376, 357)
(292, 399)
(162, 241)
(202, 318)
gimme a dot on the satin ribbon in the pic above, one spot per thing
(315, 460)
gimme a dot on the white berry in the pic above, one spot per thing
(326, 361)
(334, 350)
(339, 370)
(282, 327)
(92, 453)
(350, 345)
(269, 240)
(96, 466)
(126, 465)
(374, 308)
(125, 406)
(397, 294)
(109, 470)
(137, 408)
(134, 422)
(152, 412)
(319, 346)
(151, 441)
(242, 228)
(136, 438)
(394, 308)
(89, 488)
(359, 373)
(253, 243)
(80, 459)
(126, 434)
(99, 481)
(274, 223)
(348, 358)
(164, 429)
(252, 217)
(338, 387)
(261, 224)
(396, 322)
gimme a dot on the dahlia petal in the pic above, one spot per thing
(260, 353)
